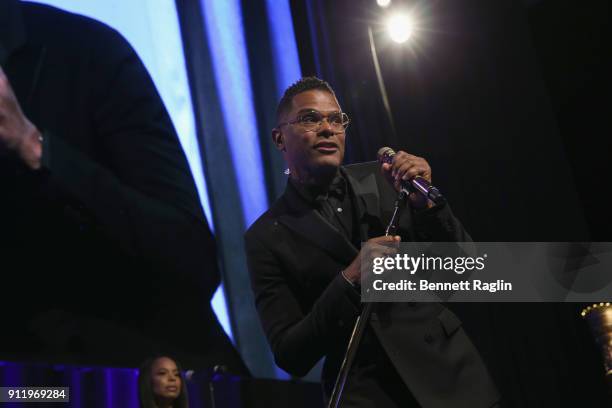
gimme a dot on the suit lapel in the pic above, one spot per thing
(367, 201)
(308, 223)
(366, 191)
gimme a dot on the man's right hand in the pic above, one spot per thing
(17, 133)
(382, 246)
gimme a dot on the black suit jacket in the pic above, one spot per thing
(111, 255)
(308, 310)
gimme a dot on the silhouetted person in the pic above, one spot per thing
(106, 254)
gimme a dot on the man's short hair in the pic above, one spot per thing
(302, 85)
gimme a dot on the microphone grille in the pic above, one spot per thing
(385, 153)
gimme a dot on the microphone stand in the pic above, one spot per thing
(420, 185)
(362, 320)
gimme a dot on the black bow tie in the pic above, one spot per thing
(336, 189)
(313, 193)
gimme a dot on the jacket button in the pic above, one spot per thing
(429, 339)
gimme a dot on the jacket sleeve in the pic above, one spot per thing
(299, 339)
(438, 224)
(134, 185)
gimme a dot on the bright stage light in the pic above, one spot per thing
(400, 27)
(383, 3)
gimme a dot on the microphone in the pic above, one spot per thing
(418, 183)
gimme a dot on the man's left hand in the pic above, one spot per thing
(404, 167)
(17, 133)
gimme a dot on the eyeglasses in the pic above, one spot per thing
(312, 121)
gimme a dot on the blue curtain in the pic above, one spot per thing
(240, 57)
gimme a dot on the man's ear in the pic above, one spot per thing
(278, 139)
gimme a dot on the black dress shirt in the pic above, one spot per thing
(336, 203)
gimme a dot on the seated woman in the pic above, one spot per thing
(160, 384)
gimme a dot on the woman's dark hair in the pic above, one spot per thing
(145, 390)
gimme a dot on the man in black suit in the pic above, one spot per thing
(106, 254)
(305, 266)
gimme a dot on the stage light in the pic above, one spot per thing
(400, 27)
(383, 3)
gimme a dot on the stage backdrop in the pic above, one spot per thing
(220, 67)
(152, 29)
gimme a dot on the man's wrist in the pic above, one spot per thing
(349, 280)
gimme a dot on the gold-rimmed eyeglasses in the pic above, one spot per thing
(312, 121)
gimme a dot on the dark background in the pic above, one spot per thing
(507, 100)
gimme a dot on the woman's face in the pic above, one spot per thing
(165, 378)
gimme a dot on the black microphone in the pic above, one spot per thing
(418, 183)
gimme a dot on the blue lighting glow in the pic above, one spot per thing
(286, 60)
(223, 21)
(103, 387)
(152, 28)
